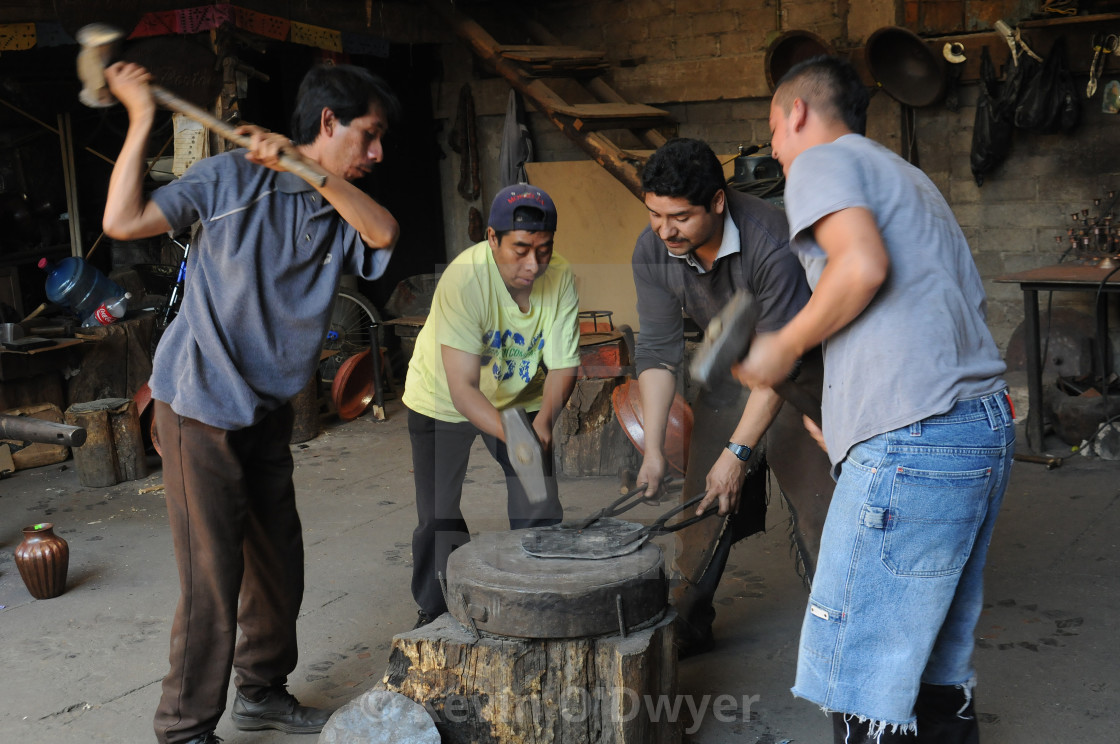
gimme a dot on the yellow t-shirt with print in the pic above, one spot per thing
(472, 311)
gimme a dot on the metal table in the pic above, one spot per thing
(1066, 277)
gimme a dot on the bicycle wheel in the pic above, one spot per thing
(348, 334)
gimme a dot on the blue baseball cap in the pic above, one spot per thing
(504, 215)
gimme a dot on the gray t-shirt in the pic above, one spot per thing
(922, 344)
(261, 280)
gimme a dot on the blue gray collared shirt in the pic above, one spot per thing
(261, 281)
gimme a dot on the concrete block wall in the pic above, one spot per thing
(1011, 221)
(670, 50)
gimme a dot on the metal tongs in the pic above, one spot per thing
(601, 536)
(619, 505)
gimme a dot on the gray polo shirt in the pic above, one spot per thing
(261, 281)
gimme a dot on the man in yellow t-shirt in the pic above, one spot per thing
(503, 331)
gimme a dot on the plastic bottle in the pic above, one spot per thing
(108, 313)
(78, 285)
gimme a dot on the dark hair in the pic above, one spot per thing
(346, 90)
(830, 84)
(686, 168)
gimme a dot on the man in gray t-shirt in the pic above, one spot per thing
(260, 285)
(916, 420)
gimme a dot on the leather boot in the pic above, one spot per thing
(847, 729)
(278, 710)
(946, 715)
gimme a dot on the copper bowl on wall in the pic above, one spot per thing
(788, 49)
(905, 67)
(627, 402)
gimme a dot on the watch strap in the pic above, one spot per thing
(742, 451)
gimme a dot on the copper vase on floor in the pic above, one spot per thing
(42, 559)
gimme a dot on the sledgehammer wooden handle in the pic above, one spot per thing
(305, 169)
(98, 47)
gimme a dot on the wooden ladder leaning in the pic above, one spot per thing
(526, 67)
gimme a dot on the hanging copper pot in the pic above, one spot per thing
(905, 67)
(788, 49)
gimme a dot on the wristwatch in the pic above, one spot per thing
(742, 451)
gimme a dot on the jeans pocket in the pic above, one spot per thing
(820, 631)
(933, 520)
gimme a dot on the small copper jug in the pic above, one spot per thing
(42, 559)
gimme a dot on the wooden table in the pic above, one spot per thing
(1065, 277)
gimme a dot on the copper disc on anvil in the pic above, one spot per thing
(494, 585)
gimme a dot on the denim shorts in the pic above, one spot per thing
(898, 589)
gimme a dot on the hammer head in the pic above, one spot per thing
(98, 47)
(525, 455)
(727, 339)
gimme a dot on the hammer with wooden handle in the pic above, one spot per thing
(727, 341)
(98, 42)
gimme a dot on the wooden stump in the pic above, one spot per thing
(563, 691)
(306, 424)
(114, 450)
(588, 438)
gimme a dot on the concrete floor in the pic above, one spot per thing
(87, 666)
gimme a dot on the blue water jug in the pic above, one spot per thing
(78, 285)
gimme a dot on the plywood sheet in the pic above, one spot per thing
(598, 222)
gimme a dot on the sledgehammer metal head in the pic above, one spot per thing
(525, 453)
(98, 48)
(727, 341)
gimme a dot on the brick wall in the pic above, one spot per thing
(702, 60)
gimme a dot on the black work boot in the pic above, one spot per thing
(423, 618)
(278, 710)
(208, 738)
(946, 715)
(847, 729)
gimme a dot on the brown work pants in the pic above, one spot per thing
(237, 536)
(799, 465)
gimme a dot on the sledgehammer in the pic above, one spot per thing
(525, 453)
(99, 41)
(727, 341)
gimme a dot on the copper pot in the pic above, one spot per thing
(43, 559)
(627, 401)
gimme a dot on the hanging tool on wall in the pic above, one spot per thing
(463, 139)
(1014, 39)
(1103, 44)
(953, 52)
